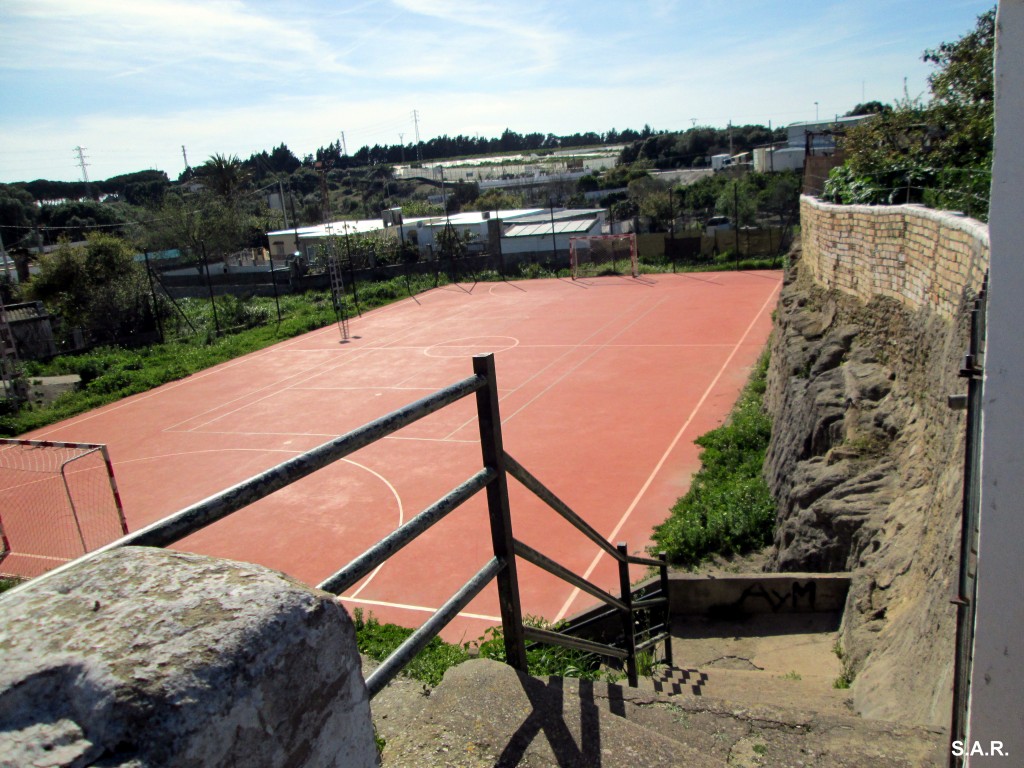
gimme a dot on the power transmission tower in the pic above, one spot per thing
(344, 149)
(416, 122)
(85, 174)
(184, 156)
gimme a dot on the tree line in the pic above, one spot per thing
(937, 151)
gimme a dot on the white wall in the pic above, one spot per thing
(997, 684)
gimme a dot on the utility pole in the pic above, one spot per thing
(184, 156)
(6, 262)
(85, 173)
(401, 143)
(284, 208)
(344, 148)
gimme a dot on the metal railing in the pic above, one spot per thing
(491, 478)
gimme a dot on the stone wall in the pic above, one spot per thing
(147, 657)
(866, 458)
(918, 257)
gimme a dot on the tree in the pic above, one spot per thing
(18, 213)
(496, 200)
(100, 288)
(963, 92)
(75, 219)
(869, 108)
(938, 153)
(226, 176)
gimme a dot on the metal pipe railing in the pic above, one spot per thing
(208, 511)
(541, 491)
(531, 555)
(492, 478)
(418, 640)
(390, 545)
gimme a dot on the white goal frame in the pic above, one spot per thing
(634, 262)
(59, 501)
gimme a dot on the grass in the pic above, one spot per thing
(377, 641)
(728, 509)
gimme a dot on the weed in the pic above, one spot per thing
(845, 678)
(378, 641)
(792, 676)
(760, 749)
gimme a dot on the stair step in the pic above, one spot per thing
(811, 692)
(487, 714)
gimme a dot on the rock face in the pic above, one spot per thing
(147, 657)
(866, 461)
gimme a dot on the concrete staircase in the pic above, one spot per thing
(487, 714)
(754, 690)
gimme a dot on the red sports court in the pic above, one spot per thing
(604, 384)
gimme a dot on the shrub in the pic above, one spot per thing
(728, 509)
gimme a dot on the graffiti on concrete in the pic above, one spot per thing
(800, 595)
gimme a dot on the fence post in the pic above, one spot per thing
(627, 616)
(663, 556)
(489, 420)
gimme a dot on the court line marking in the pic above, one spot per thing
(597, 348)
(327, 367)
(471, 343)
(401, 520)
(420, 608)
(169, 386)
(664, 456)
(569, 349)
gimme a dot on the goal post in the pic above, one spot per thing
(58, 501)
(603, 254)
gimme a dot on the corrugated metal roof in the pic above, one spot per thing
(563, 215)
(561, 228)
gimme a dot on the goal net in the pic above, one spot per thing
(603, 255)
(57, 502)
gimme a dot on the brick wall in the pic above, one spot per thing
(917, 256)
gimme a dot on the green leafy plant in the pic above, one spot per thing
(728, 509)
(543, 659)
(378, 641)
(845, 679)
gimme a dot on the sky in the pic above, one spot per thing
(133, 81)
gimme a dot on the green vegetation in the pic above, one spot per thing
(938, 152)
(543, 660)
(728, 509)
(845, 679)
(377, 641)
(6, 583)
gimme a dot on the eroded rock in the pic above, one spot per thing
(147, 657)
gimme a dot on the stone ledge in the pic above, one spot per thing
(152, 657)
